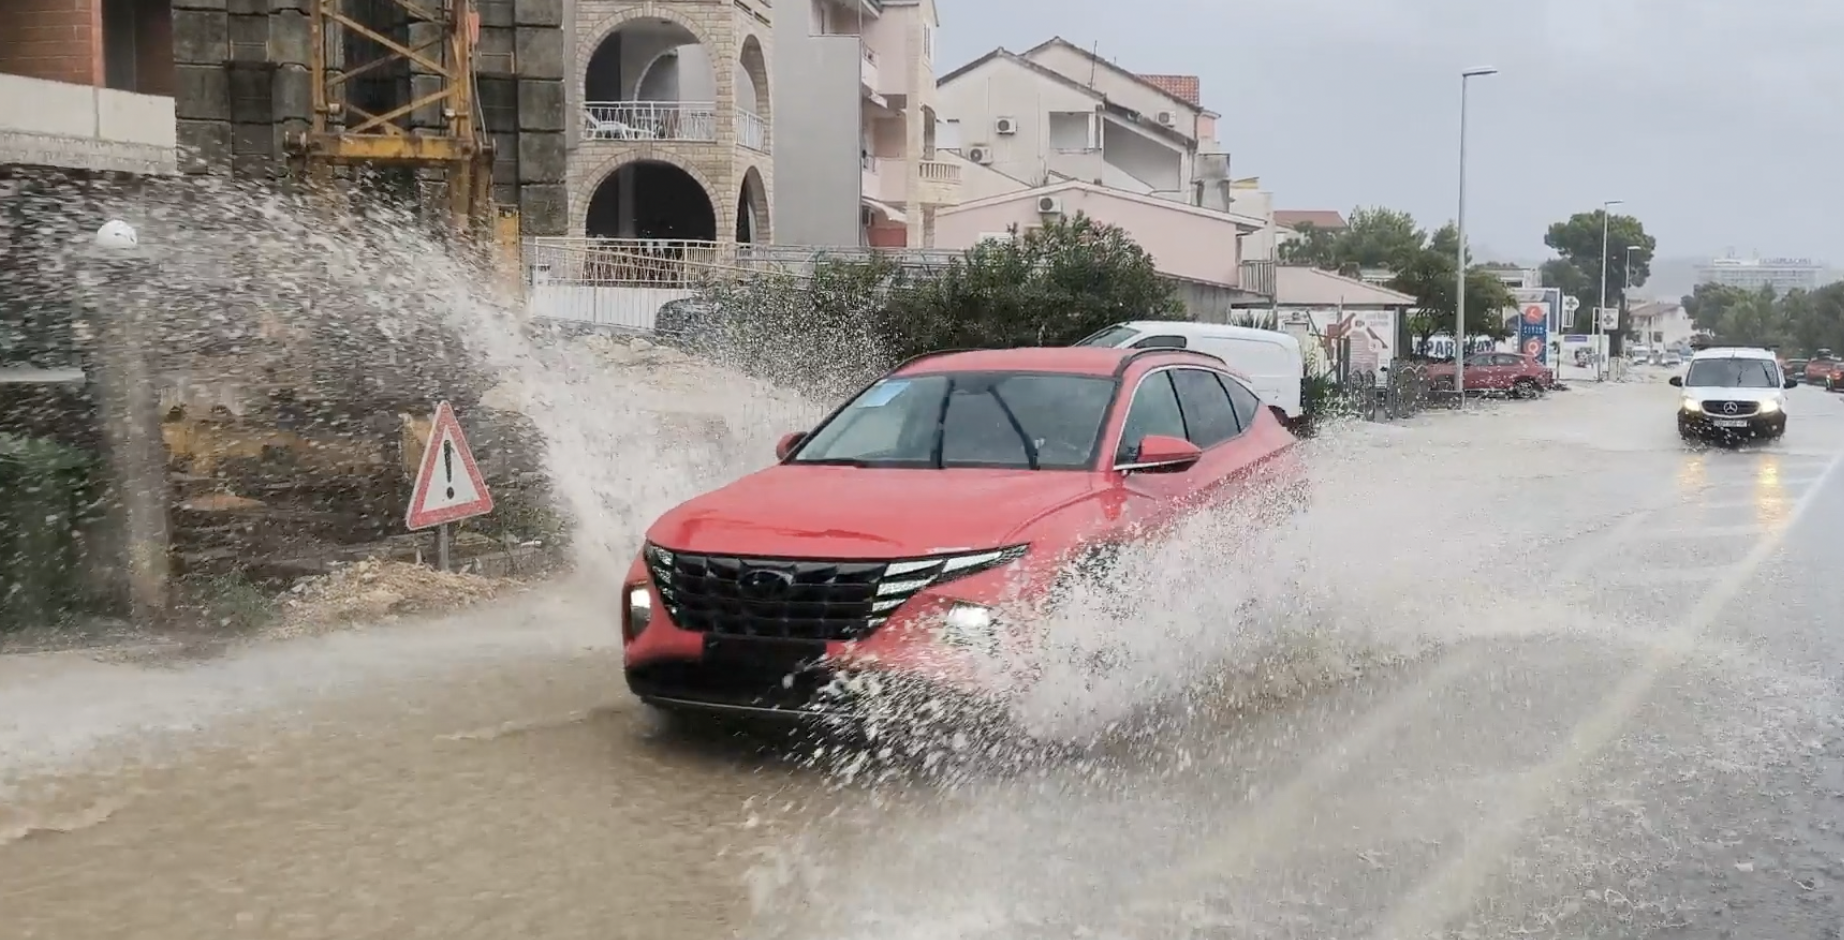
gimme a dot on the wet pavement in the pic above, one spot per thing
(1626, 725)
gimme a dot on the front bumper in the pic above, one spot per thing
(1741, 427)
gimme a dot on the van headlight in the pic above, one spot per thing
(639, 610)
(1691, 405)
(970, 626)
(1770, 406)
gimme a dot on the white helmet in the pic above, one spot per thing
(117, 234)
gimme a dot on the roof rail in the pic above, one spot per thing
(1128, 361)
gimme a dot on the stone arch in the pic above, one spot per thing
(752, 58)
(752, 194)
(721, 203)
(611, 24)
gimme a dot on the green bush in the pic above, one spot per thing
(846, 321)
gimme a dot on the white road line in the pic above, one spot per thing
(1452, 889)
(1262, 821)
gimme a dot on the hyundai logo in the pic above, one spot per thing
(1730, 408)
(766, 584)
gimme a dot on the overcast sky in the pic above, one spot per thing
(1720, 122)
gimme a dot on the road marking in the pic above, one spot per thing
(1263, 820)
(1452, 889)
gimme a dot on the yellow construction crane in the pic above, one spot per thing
(393, 86)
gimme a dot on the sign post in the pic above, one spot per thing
(449, 487)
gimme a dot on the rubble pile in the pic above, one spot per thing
(374, 591)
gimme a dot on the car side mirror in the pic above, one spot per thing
(1676, 380)
(1159, 452)
(788, 442)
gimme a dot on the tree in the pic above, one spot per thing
(1374, 237)
(849, 320)
(1797, 323)
(1431, 277)
(1583, 254)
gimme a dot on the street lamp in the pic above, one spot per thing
(1600, 355)
(1459, 224)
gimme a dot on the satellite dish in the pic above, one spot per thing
(117, 234)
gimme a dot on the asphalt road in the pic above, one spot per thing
(1540, 670)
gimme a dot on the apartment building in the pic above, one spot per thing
(859, 125)
(1060, 112)
(673, 108)
(1780, 274)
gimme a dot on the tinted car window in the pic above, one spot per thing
(1162, 342)
(1110, 338)
(1154, 411)
(1506, 359)
(1247, 403)
(988, 419)
(1209, 417)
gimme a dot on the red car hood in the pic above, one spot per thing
(850, 512)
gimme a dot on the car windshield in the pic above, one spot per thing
(1111, 338)
(1732, 373)
(1036, 421)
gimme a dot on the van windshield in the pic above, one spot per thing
(1732, 373)
(1113, 337)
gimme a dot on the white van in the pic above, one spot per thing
(1271, 360)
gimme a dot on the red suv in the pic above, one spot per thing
(1522, 376)
(888, 539)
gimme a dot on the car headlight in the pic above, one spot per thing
(970, 626)
(639, 610)
(1769, 407)
(1692, 405)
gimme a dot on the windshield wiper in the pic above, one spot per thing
(1030, 446)
(836, 462)
(941, 427)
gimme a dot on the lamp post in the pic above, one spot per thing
(1600, 332)
(1459, 224)
(115, 280)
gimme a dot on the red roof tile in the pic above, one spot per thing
(1183, 87)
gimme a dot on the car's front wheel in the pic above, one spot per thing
(1526, 388)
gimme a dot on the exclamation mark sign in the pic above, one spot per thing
(448, 465)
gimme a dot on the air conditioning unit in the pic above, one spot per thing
(981, 155)
(1005, 126)
(1049, 205)
(1166, 118)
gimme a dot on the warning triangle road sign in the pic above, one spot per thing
(449, 486)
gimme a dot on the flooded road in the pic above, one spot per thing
(1625, 722)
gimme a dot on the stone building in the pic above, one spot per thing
(670, 103)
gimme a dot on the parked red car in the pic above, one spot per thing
(889, 538)
(1818, 371)
(1522, 376)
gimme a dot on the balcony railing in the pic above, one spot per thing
(650, 120)
(867, 68)
(938, 171)
(687, 265)
(752, 131)
(1257, 277)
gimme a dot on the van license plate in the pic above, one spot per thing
(1730, 423)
